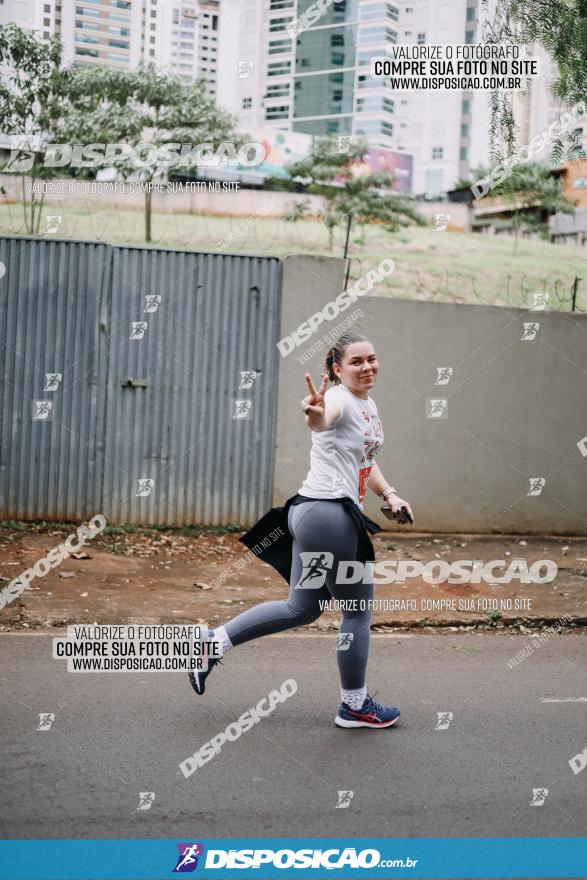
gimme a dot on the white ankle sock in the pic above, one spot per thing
(220, 635)
(354, 699)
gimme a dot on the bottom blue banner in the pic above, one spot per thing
(502, 857)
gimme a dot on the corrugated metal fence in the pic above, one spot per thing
(122, 383)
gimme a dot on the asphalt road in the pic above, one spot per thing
(115, 735)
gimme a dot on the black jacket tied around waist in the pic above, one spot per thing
(277, 552)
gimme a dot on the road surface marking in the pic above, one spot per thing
(566, 700)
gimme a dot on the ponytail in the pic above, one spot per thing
(336, 353)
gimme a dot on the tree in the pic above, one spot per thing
(560, 27)
(32, 92)
(366, 197)
(147, 110)
(529, 189)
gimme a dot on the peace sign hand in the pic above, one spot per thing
(314, 405)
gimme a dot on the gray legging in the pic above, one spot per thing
(317, 527)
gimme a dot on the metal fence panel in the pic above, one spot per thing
(145, 427)
(51, 298)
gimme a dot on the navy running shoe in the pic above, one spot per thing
(371, 714)
(198, 677)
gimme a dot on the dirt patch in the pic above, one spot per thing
(164, 575)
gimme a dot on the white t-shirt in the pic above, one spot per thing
(342, 456)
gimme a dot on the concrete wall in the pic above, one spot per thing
(71, 193)
(516, 409)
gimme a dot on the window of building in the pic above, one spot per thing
(122, 32)
(437, 152)
(471, 11)
(421, 38)
(376, 35)
(464, 153)
(374, 126)
(367, 55)
(81, 10)
(278, 24)
(280, 112)
(120, 4)
(375, 104)
(470, 37)
(466, 106)
(46, 8)
(378, 10)
(280, 47)
(465, 129)
(247, 103)
(113, 56)
(119, 44)
(214, 22)
(46, 22)
(278, 68)
(176, 16)
(93, 53)
(87, 25)
(336, 40)
(281, 4)
(337, 59)
(114, 17)
(279, 90)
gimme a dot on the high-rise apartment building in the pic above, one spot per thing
(116, 33)
(181, 37)
(188, 39)
(320, 81)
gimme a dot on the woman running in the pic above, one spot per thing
(327, 525)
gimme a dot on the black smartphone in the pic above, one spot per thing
(394, 516)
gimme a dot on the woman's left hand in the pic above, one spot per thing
(396, 503)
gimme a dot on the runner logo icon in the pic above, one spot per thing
(187, 860)
(315, 565)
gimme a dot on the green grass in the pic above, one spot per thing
(437, 266)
